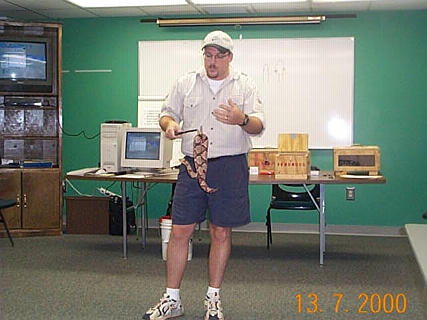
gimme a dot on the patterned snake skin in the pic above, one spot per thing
(200, 154)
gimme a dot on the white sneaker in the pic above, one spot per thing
(167, 308)
(213, 308)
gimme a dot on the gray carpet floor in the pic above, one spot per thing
(85, 277)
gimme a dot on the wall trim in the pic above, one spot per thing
(356, 230)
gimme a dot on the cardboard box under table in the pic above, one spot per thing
(87, 215)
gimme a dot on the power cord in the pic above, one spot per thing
(76, 190)
(79, 134)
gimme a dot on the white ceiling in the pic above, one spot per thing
(59, 9)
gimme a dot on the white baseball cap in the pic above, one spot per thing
(218, 39)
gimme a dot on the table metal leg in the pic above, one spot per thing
(124, 213)
(143, 216)
(322, 223)
(322, 220)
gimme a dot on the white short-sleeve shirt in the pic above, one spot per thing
(191, 101)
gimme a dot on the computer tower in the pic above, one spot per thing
(110, 145)
(116, 216)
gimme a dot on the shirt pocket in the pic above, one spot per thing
(239, 100)
(191, 102)
(192, 111)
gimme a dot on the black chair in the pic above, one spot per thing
(4, 204)
(291, 197)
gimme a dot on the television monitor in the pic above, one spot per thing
(145, 149)
(26, 65)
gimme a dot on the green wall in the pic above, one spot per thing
(390, 107)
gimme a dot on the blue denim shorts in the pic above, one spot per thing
(227, 207)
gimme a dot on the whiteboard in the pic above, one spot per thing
(307, 84)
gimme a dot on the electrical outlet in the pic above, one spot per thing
(64, 186)
(350, 193)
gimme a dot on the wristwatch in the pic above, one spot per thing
(245, 121)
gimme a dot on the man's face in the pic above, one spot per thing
(217, 63)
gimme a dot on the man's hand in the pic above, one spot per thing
(229, 114)
(170, 127)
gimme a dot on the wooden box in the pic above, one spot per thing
(87, 215)
(292, 165)
(288, 142)
(264, 159)
(357, 159)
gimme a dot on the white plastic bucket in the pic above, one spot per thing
(165, 228)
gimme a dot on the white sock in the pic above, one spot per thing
(173, 293)
(213, 293)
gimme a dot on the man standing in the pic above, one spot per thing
(226, 105)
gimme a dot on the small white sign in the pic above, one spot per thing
(253, 171)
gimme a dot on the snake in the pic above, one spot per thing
(200, 154)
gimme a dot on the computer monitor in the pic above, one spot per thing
(145, 149)
(27, 64)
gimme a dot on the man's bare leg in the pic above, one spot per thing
(219, 254)
(178, 254)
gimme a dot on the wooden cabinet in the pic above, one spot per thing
(10, 188)
(30, 126)
(37, 192)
